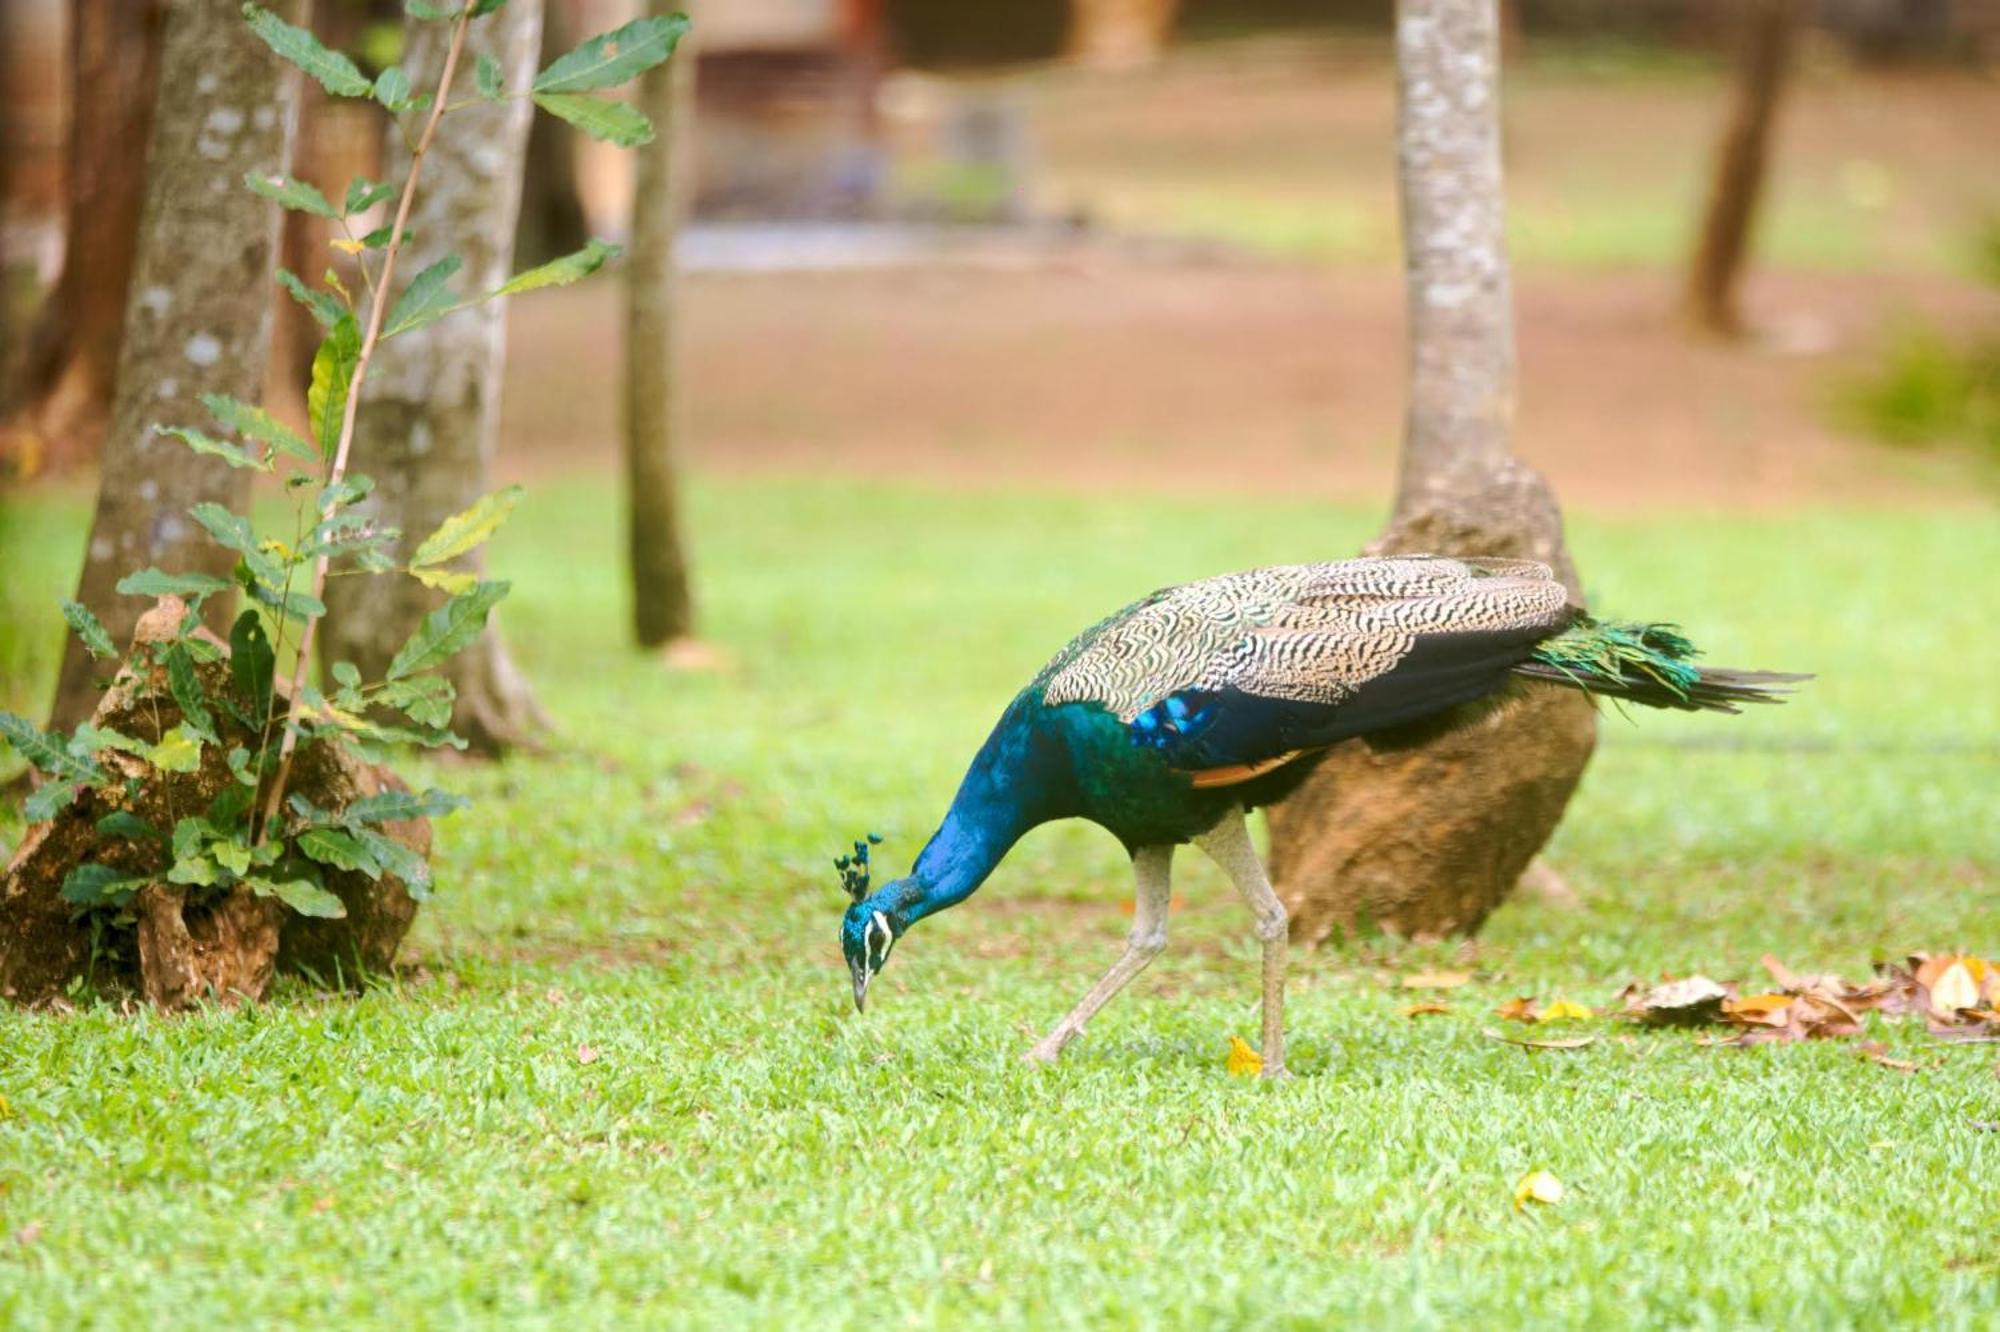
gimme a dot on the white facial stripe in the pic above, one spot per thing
(879, 922)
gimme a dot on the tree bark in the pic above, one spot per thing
(71, 356)
(429, 423)
(1425, 832)
(1770, 33)
(198, 317)
(1119, 34)
(655, 390)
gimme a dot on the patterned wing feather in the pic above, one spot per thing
(1299, 633)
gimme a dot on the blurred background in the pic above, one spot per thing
(1096, 242)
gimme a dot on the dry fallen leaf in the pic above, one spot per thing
(1877, 1053)
(1437, 980)
(1521, 1008)
(1562, 1010)
(1538, 1186)
(586, 1054)
(1690, 1001)
(1244, 1062)
(1758, 1010)
(1428, 1006)
(1954, 983)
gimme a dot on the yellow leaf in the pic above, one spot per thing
(1437, 980)
(446, 580)
(1244, 1062)
(1430, 1006)
(1955, 988)
(1562, 1009)
(347, 246)
(1538, 1186)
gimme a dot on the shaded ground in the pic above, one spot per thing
(1107, 370)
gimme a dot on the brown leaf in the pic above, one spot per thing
(1758, 1010)
(1437, 980)
(1877, 1053)
(1521, 1008)
(1428, 1006)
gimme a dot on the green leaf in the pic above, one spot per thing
(614, 57)
(332, 373)
(613, 122)
(481, 8)
(255, 423)
(99, 885)
(190, 835)
(251, 662)
(486, 77)
(363, 192)
(231, 854)
(185, 685)
(561, 272)
(239, 767)
(49, 799)
(124, 823)
(398, 806)
(89, 629)
(354, 486)
(286, 192)
(90, 737)
(233, 454)
(47, 753)
(291, 605)
(154, 583)
(178, 751)
(195, 872)
(379, 237)
(301, 895)
(422, 9)
(334, 71)
(347, 674)
(465, 530)
(230, 530)
(425, 299)
(342, 850)
(325, 306)
(392, 90)
(399, 860)
(446, 630)
(424, 699)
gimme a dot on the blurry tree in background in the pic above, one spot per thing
(429, 427)
(197, 319)
(1119, 34)
(1425, 833)
(1770, 32)
(552, 221)
(71, 356)
(655, 388)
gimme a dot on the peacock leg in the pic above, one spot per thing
(1228, 845)
(1152, 866)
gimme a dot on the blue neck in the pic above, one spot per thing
(1006, 792)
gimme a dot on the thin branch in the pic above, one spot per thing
(378, 308)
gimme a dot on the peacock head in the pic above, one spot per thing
(870, 928)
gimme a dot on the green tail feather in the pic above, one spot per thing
(1651, 664)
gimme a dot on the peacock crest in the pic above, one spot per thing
(854, 868)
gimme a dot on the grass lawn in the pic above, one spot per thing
(622, 1081)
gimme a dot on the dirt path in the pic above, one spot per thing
(1105, 370)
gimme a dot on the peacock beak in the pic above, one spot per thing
(861, 976)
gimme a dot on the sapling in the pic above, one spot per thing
(206, 706)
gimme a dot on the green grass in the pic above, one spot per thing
(744, 1151)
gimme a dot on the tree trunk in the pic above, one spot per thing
(552, 222)
(71, 356)
(1119, 34)
(198, 320)
(430, 420)
(655, 392)
(1423, 833)
(1770, 32)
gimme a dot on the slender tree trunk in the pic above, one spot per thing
(655, 390)
(1119, 34)
(430, 421)
(198, 318)
(1770, 32)
(71, 355)
(552, 221)
(1421, 833)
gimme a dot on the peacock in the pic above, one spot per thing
(1170, 719)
